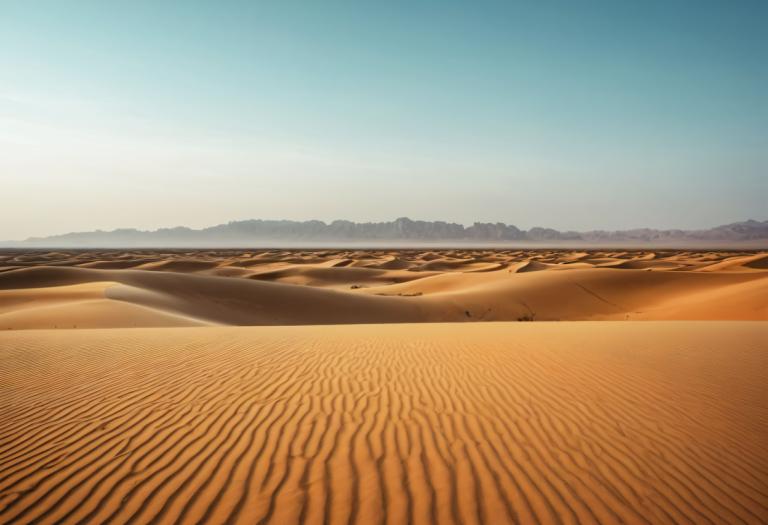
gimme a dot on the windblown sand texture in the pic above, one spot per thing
(128, 396)
(589, 422)
(112, 288)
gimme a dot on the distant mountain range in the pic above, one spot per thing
(402, 231)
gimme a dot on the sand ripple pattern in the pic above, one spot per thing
(501, 423)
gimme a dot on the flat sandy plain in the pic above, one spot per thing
(126, 396)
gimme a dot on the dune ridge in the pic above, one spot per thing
(588, 422)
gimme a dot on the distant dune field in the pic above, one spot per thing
(113, 288)
(592, 422)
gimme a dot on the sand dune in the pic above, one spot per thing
(498, 423)
(82, 306)
(506, 422)
(219, 300)
(739, 264)
(179, 288)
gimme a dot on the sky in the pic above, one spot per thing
(572, 115)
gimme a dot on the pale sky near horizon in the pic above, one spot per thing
(577, 116)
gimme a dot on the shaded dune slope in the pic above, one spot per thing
(224, 300)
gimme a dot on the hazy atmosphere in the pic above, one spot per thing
(381, 263)
(152, 115)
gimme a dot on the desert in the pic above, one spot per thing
(383, 386)
(383, 263)
(119, 288)
(589, 422)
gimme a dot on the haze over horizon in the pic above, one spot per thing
(386, 221)
(613, 117)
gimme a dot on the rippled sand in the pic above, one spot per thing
(653, 422)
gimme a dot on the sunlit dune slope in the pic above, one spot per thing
(589, 422)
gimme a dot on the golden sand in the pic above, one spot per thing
(92, 289)
(592, 422)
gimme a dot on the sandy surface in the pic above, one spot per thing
(657, 422)
(92, 289)
(127, 395)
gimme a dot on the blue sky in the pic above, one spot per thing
(570, 115)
